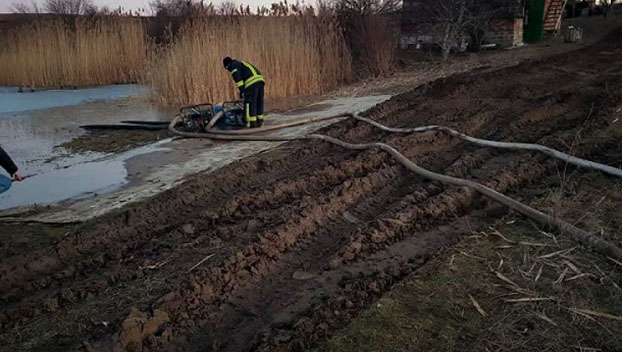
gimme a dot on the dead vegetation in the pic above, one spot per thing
(304, 50)
(59, 53)
(371, 30)
(307, 55)
(508, 288)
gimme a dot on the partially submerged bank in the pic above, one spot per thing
(36, 124)
(113, 141)
(119, 140)
(274, 251)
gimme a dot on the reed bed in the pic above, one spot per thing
(298, 55)
(74, 52)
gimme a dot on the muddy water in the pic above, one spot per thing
(33, 125)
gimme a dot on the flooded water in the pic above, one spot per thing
(32, 125)
(83, 178)
(86, 185)
(11, 100)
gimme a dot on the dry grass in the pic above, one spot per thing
(94, 52)
(298, 55)
(373, 42)
(382, 43)
(496, 291)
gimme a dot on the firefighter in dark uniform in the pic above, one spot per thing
(250, 82)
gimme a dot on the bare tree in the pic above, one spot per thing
(70, 7)
(478, 19)
(26, 8)
(367, 7)
(227, 8)
(172, 8)
(442, 21)
(245, 10)
(182, 8)
(448, 23)
(607, 6)
(105, 11)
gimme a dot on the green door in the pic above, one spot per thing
(534, 26)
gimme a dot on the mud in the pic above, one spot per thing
(113, 141)
(294, 242)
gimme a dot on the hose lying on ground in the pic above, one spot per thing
(478, 141)
(576, 233)
(504, 145)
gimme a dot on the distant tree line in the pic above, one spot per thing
(189, 8)
(72, 8)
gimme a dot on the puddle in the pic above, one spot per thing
(31, 130)
(74, 182)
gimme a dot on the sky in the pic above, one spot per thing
(6, 5)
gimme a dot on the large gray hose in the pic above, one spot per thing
(576, 233)
(614, 171)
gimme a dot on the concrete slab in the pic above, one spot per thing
(156, 168)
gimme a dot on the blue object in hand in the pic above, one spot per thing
(5, 183)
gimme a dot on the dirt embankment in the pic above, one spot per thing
(272, 252)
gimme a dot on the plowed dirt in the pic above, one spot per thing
(273, 251)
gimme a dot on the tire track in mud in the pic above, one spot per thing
(340, 218)
(102, 260)
(433, 211)
(343, 304)
(528, 167)
(356, 285)
(292, 285)
(350, 168)
(256, 260)
(277, 200)
(72, 295)
(522, 172)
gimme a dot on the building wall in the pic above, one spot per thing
(506, 33)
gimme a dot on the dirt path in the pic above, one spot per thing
(272, 251)
(420, 67)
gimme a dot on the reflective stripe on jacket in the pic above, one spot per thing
(244, 74)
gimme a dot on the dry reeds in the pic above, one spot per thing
(74, 52)
(373, 42)
(298, 55)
